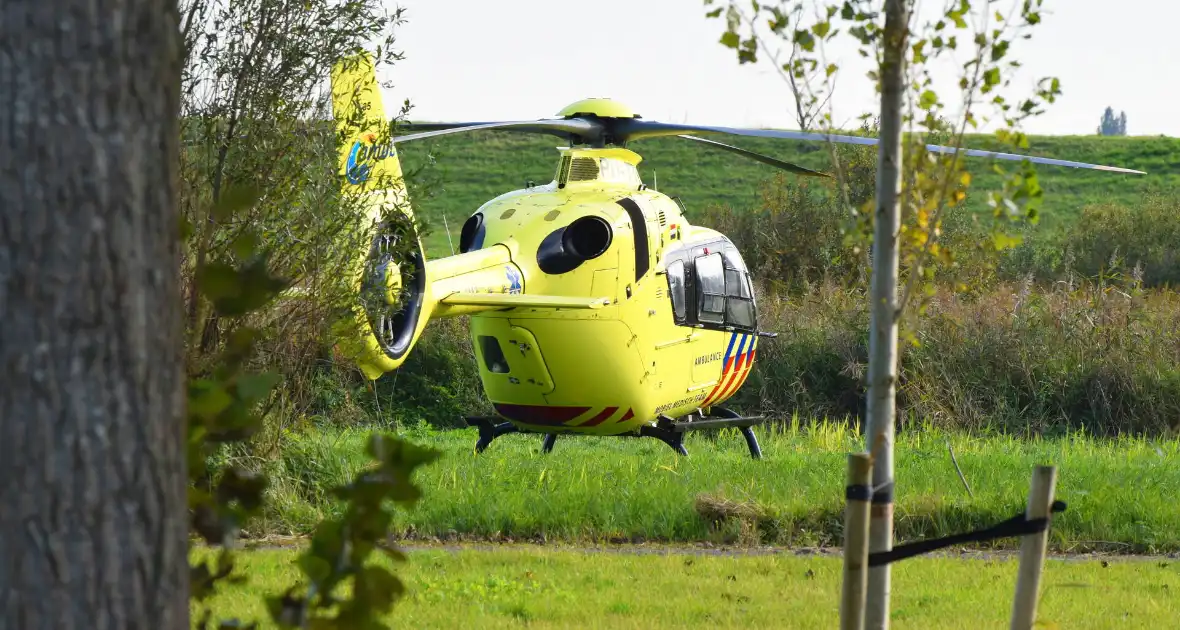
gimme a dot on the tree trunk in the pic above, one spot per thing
(93, 527)
(882, 394)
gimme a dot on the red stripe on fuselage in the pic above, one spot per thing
(540, 415)
(602, 415)
(740, 375)
(720, 381)
(725, 378)
(727, 387)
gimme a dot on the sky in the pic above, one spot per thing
(484, 60)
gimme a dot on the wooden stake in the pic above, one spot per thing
(856, 541)
(1032, 549)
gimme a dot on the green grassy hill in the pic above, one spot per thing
(478, 166)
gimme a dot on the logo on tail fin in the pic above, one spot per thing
(364, 153)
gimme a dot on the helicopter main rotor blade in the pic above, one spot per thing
(556, 127)
(435, 126)
(765, 159)
(639, 129)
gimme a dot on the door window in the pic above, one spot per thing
(676, 291)
(711, 289)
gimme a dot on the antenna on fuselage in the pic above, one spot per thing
(655, 183)
(448, 229)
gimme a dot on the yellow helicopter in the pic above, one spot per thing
(595, 306)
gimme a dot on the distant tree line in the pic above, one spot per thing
(1111, 125)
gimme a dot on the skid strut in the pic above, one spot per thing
(492, 427)
(489, 429)
(671, 432)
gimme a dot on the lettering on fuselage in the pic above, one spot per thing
(708, 358)
(682, 402)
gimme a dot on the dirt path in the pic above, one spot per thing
(708, 549)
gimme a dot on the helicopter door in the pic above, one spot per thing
(680, 345)
(510, 362)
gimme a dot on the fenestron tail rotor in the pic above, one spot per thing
(602, 122)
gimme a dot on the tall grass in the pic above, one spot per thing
(1120, 492)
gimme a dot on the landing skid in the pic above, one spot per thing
(671, 432)
(666, 430)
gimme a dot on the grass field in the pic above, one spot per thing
(1121, 493)
(536, 587)
(478, 166)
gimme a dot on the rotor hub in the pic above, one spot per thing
(600, 107)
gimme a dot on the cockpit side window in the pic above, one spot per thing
(676, 291)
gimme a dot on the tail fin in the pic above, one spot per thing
(368, 159)
(390, 276)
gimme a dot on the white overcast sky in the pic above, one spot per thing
(526, 59)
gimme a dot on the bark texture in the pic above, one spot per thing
(93, 522)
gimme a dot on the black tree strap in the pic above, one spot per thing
(1016, 526)
(858, 493)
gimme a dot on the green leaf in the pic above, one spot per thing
(207, 399)
(730, 39)
(380, 586)
(237, 292)
(233, 200)
(991, 77)
(928, 100)
(1003, 241)
(218, 281)
(314, 567)
(805, 40)
(243, 486)
(255, 387)
(999, 50)
(714, 13)
(245, 245)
